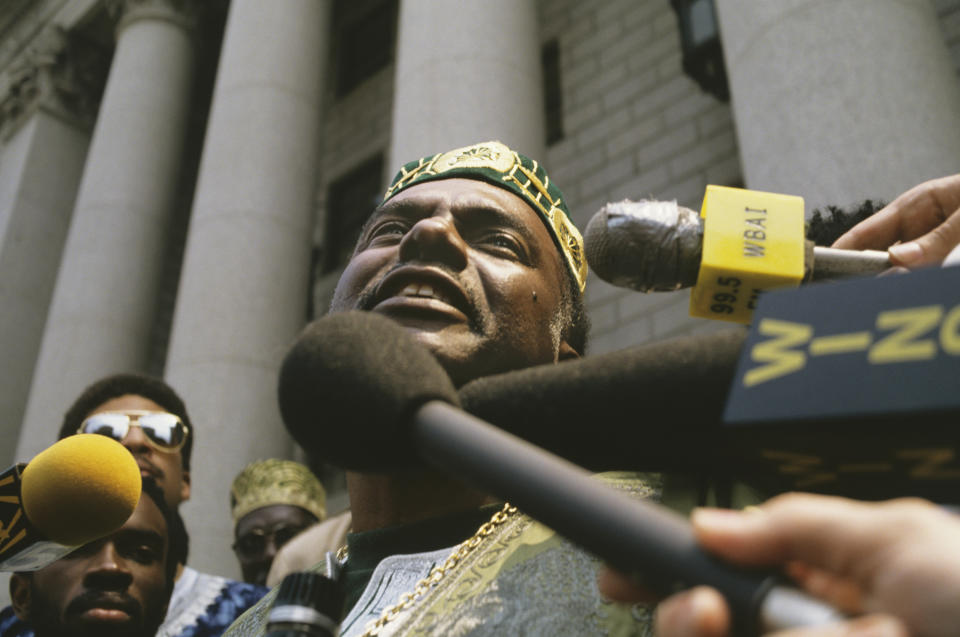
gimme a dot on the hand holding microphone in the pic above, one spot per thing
(920, 227)
(80, 489)
(656, 246)
(659, 246)
(897, 561)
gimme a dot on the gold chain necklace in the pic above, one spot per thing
(437, 573)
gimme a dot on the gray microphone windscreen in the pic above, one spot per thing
(645, 245)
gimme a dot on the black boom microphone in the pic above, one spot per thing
(388, 398)
(653, 407)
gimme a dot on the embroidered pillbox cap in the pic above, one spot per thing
(495, 163)
(274, 481)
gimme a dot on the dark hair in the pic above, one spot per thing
(120, 385)
(824, 231)
(175, 542)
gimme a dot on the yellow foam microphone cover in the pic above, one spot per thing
(81, 488)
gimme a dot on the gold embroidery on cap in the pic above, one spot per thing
(408, 176)
(568, 237)
(571, 243)
(493, 155)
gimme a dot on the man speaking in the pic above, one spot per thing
(473, 252)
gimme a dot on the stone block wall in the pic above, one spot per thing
(356, 128)
(635, 127)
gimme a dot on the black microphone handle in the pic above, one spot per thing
(635, 537)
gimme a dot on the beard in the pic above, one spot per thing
(366, 300)
(47, 621)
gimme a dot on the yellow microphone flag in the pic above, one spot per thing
(752, 241)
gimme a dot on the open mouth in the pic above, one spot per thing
(422, 293)
(423, 290)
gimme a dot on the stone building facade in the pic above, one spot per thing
(180, 180)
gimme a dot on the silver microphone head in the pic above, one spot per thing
(645, 245)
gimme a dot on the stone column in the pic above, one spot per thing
(104, 300)
(46, 114)
(839, 101)
(466, 72)
(245, 278)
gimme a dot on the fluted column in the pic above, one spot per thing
(46, 115)
(466, 72)
(838, 101)
(244, 284)
(106, 291)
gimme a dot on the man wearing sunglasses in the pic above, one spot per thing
(272, 501)
(148, 417)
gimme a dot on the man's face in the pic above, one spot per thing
(469, 269)
(165, 467)
(261, 533)
(113, 587)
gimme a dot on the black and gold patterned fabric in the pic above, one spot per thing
(274, 481)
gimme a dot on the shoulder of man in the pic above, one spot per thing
(214, 603)
(12, 626)
(310, 546)
(237, 597)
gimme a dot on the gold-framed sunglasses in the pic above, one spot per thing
(164, 431)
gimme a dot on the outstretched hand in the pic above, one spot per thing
(918, 228)
(894, 564)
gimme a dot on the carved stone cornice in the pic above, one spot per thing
(21, 21)
(56, 72)
(181, 12)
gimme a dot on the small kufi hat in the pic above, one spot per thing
(275, 481)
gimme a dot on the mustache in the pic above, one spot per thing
(105, 599)
(367, 299)
(144, 462)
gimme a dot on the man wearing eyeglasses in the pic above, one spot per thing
(160, 440)
(272, 501)
(148, 417)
